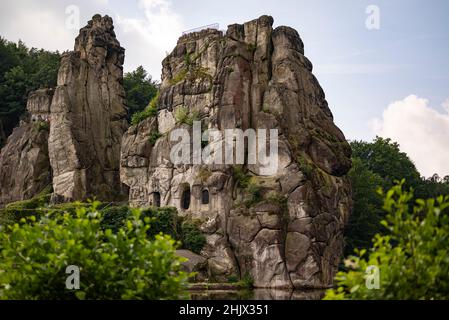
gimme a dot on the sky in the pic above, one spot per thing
(383, 63)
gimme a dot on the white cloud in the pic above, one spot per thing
(421, 131)
(147, 39)
(38, 26)
(147, 35)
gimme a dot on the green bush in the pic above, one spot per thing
(153, 137)
(247, 282)
(254, 192)
(121, 265)
(179, 77)
(41, 126)
(154, 102)
(191, 237)
(138, 117)
(241, 177)
(114, 217)
(165, 220)
(162, 220)
(305, 166)
(182, 115)
(191, 73)
(149, 112)
(412, 258)
(14, 211)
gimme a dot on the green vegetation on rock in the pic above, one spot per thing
(183, 115)
(149, 112)
(154, 136)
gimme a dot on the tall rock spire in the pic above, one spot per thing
(88, 116)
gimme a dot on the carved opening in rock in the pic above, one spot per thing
(205, 196)
(155, 199)
(185, 198)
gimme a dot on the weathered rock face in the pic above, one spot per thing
(24, 163)
(286, 229)
(88, 116)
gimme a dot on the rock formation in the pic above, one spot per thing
(72, 137)
(283, 230)
(24, 163)
(88, 116)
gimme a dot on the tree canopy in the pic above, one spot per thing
(140, 90)
(379, 164)
(22, 70)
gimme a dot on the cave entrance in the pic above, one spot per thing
(205, 196)
(156, 199)
(185, 198)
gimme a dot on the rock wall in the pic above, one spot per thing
(24, 163)
(254, 76)
(88, 116)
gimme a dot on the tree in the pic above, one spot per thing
(378, 164)
(383, 157)
(140, 90)
(364, 222)
(412, 260)
(432, 186)
(22, 70)
(125, 264)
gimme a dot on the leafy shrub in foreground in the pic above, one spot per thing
(34, 256)
(413, 258)
(162, 220)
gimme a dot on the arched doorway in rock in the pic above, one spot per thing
(185, 197)
(155, 199)
(205, 196)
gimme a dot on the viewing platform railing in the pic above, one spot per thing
(210, 26)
